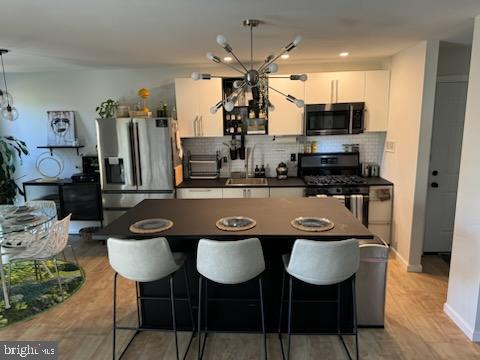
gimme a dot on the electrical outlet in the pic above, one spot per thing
(293, 157)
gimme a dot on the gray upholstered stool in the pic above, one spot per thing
(228, 262)
(145, 261)
(321, 263)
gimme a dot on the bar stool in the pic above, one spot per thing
(228, 262)
(321, 263)
(144, 261)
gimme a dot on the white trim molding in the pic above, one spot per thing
(472, 334)
(418, 268)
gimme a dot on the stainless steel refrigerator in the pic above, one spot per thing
(136, 157)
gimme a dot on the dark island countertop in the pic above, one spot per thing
(196, 218)
(272, 182)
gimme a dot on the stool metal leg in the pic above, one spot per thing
(355, 327)
(290, 300)
(114, 311)
(174, 321)
(199, 322)
(264, 331)
(280, 317)
(137, 292)
(187, 282)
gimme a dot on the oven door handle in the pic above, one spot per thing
(350, 126)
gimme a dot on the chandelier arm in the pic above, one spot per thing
(233, 67)
(251, 47)
(276, 57)
(236, 92)
(238, 60)
(278, 91)
(4, 79)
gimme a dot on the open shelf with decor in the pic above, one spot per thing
(52, 147)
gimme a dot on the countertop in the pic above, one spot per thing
(196, 218)
(220, 182)
(272, 182)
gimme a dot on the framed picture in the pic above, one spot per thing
(61, 128)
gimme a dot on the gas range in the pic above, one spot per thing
(335, 185)
(334, 180)
(332, 174)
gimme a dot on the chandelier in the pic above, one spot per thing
(8, 112)
(253, 80)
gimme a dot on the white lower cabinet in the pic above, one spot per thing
(290, 192)
(199, 193)
(238, 193)
(380, 211)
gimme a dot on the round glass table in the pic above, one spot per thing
(15, 219)
(20, 225)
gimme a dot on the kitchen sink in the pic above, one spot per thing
(247, 182)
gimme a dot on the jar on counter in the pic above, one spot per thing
(307, 148)
(313, 147)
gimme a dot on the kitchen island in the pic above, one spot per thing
(233, 307)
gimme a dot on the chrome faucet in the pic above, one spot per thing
(247, 153)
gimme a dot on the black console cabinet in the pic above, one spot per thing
(82, 200)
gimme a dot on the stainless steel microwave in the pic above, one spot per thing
(334, 119)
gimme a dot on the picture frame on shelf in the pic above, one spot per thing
(61, 128)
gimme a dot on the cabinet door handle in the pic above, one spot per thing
(331, 91)
(244, 193)
(336, 91)
(195, 126)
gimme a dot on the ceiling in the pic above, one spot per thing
(59, 34)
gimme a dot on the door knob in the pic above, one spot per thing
(434, 172)
(434, 185)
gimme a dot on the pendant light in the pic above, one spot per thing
(8, 111)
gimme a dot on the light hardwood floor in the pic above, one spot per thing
(416, 327)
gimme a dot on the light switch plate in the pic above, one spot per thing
(390, 146)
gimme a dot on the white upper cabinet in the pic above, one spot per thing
(319, 88)
(349, 86)
(335, 87)
(377, 90)
(287, 118)
(194, 99)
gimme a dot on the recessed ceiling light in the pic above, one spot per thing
(227, 58)
(344, 54)
(285, 56)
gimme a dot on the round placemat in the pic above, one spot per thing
(151, 226)
(221, 223)
(329, 225)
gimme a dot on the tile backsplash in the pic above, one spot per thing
(270, 151)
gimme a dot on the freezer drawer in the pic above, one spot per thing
(111, 215)
(130, 199)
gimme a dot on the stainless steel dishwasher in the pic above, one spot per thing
(371, 282)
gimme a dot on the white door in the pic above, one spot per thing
(186, 93)
(319, 88)
(287, 118)
(449, 116)
(209, 92)
(377, 89)
(349, 86)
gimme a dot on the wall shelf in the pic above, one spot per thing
(52, 147)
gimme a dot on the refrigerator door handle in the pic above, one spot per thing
(132, 154)
(139, 160)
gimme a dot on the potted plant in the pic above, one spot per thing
(107, 109)
(11, 150)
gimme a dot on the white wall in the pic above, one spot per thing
(463, 299)
(413, 76)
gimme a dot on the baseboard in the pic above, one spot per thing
(408, 267)
(461, 323)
